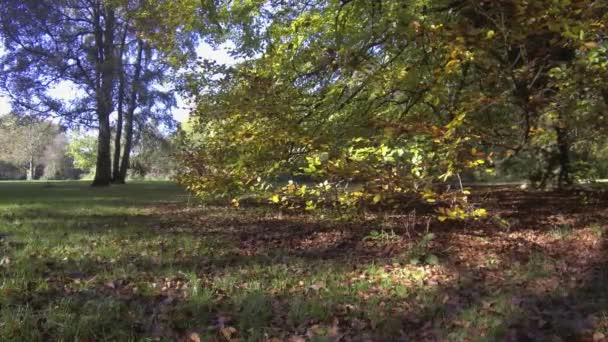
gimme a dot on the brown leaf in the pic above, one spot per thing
(445, 299)
(598, 336)
(358, 324)
(317, 286)
(296, 338)
(193, 337)
(315, 330)
(334, 330)
(227, 332)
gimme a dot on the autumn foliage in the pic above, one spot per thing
(393, 104)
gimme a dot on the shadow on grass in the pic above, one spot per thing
(173, 270)
(576, 310)
(470, 305)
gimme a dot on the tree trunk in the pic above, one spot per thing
(31, 170)
(124, 166)
(103, 169)
(118, 137)
(563, 157)
(121, 98)
(104, 39)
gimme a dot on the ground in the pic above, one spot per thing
(145, 261)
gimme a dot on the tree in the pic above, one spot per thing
(89, 45)
(121, 165)
(83, 150)
(24, 142)
(153, 155)
(50, 42)
(404, 98)
(337, 88)
(143, 95)
(9, 171)
(57, 162)
(531, 67)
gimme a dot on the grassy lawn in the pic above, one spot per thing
(137, 262)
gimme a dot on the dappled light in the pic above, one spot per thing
(152, 265)
(303, 171)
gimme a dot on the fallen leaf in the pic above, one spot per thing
(334, 330)
(5, 261)
(296, 339)
(315, 330)
(317, 286)
(598, 336)
(358, 324)
(227, 332)
(194, 337)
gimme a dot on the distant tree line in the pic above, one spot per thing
(32, 149)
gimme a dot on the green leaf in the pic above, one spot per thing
(432, 259)
(428, 237)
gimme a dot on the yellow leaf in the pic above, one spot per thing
(377, 198)
(275, 199)
(452, 64)
(591, 45)
(480, 212)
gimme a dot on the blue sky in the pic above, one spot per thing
(180, 113)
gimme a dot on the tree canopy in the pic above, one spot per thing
(399, 96)
(410, 99)
(97, 48)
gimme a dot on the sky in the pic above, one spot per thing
(180, 113)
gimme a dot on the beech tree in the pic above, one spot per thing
(404, 98)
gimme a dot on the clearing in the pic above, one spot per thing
(138, 262)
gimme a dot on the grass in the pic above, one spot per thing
(137, 262)
(561, 231)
